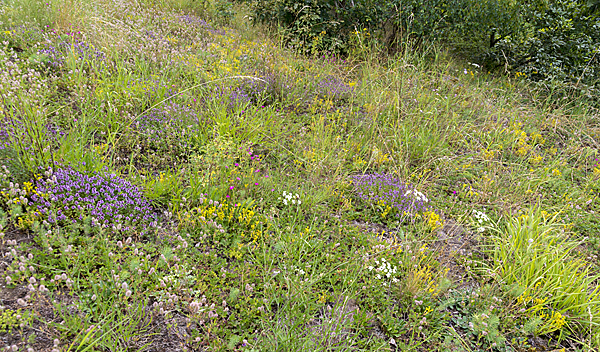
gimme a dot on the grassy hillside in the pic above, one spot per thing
(173, 179)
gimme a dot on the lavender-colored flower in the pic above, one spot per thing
(333, 87)
(56, 55)
(69, 195)
(172, 122)
(404, 200)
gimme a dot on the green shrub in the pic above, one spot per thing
(562, 44)
(544, 41)
(329, 25)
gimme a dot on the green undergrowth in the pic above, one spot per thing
(173, 178)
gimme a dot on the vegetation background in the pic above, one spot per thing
(299, 175)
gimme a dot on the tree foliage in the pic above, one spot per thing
(545, 40)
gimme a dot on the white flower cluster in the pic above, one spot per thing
(481, 219)
(290, 198)
(384, 269)
(420, 197)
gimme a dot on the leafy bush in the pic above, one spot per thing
(328, 25)
(545, 40)
(562, 44)
(315, 26)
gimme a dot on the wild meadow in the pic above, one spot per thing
(174, 178)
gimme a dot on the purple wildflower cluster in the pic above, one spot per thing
(5, 133)
(24, 34)
(234, 96)
(66, 195)
(152, 87)
(273, 87)
(16, 129)
(171, 121)
(199, 22)
(401, 197)
(333, 87)
(56, 55)
(192, 19)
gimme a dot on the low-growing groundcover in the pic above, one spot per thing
(172, 178)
